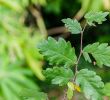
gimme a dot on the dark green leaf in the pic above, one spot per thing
(91, 84)
(58, 52)
(73, 26)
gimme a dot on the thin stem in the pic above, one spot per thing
(64, 96)
(80, 54)
(76, 67)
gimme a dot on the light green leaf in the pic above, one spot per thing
(91, 84)
(107, 89)
(58, 75)
(58, 52)
(73, 26)
(100, 52)
(69, 94)
(93, 17)
(71, 88)
(32, 94)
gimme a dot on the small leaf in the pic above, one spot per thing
(71, 88)
(69, 93)
(100, 52)
(74, 86)
(71, 85)
(58, 75)
(73, 26)
(98, 17)
(58, 52)
(91, 84)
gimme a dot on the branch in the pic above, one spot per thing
(76, 67)
(64, 95)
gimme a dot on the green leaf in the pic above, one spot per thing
(69, 94)
(100, 52)
(91, 84)
(70, 90)
(73, 26)
(32, 94)
(93, 17)
(58, 52)
(107, 89)
(60, 80)
(58, 75)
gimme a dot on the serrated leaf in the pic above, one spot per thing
(91, 84)
(73, 26)
(93, 17)
(100, 52)
(58, 75)
(58, 52)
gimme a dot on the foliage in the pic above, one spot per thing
(18, 40)
(13, 80)
(57, 52)
(101, 53)
(21, 26)
(19, 57)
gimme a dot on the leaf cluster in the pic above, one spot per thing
(61, 53)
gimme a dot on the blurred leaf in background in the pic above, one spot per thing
(13, 79)
(19, 57)
(92, 5)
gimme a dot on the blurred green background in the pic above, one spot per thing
(23, 24)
